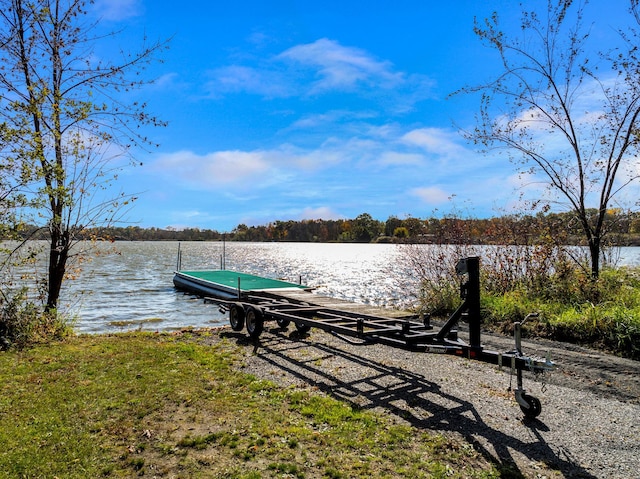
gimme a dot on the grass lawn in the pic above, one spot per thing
(168, 405)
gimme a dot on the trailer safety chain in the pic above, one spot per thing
(537, 373)
(543, 384)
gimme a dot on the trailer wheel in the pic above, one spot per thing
(303, 328)
(255, 322)
(283, 322)
(535, 407)
(236, 317)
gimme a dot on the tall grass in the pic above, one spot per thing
(547, 279)
(23, 320)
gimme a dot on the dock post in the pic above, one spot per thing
(223, 260)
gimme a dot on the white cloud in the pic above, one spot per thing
(329, 119)
(367, 159)
(116, 10)
(248, 169)
(431, 195)
(236, 78)
(342, 68)
(167, 81)
(323, 67)
(443, 143)
(213, 169)
(401, 159)
(323, 212)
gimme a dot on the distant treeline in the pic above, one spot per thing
(623, 228)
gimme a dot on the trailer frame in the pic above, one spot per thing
(252, 309)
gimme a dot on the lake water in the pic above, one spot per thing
(132, 288)
(129, 284)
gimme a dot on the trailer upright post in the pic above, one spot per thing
(473, 301)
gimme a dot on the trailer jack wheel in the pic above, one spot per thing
(255, 322)
(236, 317)
(531, 407)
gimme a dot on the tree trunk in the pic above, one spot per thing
(594, 251)
(58, 255)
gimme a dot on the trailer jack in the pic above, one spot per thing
(530, 405)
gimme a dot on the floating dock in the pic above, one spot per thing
(226, 284)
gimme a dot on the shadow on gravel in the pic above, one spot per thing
(407, 395)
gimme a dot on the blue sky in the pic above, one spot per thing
(297, 109)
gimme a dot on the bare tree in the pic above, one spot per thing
(71, 115)
(567, 116)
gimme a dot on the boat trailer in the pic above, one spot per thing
(252, 309)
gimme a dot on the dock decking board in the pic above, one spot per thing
(327, 302)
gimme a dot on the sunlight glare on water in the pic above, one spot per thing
(132, 288)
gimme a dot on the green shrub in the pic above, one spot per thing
(439, 298)
(23, 323)
(612, 324)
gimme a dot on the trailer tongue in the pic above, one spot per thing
(251, 309)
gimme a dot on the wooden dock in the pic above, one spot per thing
(227, 284)
(327, 302)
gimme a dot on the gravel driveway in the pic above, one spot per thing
(588, 427)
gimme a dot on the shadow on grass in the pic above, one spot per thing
(422, 403)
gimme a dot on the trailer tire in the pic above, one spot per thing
(303, 328)
(283, 322)
(254, 321)
(236, 317)
(535, 407)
